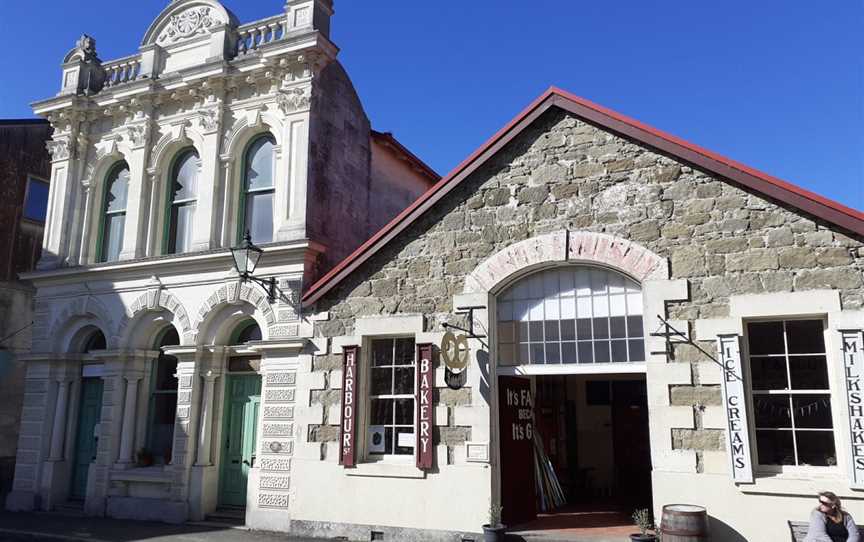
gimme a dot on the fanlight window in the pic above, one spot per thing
(572, 315)
(258, 190)
(183, 196)
(114, 213)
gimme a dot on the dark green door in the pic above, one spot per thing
(85, 438)
(242, 401)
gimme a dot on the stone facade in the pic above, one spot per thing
(720, 243)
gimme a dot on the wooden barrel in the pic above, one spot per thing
(684, 523)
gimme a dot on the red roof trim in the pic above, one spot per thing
(805, 200)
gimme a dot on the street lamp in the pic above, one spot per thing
(246, 257)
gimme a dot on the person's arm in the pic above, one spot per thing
(854, 536)
(816, 532)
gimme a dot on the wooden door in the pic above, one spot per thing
(242, 403)
(516, 426)
(86, 441)
(631, 444)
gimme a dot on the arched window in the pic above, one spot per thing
(114, 213)
(571, 315)
(258, 190)
(163, 400)
(96, 341)
(247, 331)
(182, 197)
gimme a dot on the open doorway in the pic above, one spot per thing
(587, 463)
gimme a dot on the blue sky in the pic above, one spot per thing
(776, 84)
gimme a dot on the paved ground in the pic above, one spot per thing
(30, 527)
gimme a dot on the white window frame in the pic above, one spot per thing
(366, 413)
(769, 469)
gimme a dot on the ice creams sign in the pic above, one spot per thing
(737, 436)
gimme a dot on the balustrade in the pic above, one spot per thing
(253, 36)
(122, 71)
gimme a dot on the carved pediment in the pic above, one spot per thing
(190, 22)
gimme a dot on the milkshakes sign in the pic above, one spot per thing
(425, 379)
(348, 428)
(853, 366)
(734, 401)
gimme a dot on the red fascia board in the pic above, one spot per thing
(812, 203)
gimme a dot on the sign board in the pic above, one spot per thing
(425, 410)
(455, 354)
(516, 434)
(348, 428)
(853, 366)
(735, 404)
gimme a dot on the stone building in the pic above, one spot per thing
(673, 326)
(24, 171)
(150, 353)
(615, 287)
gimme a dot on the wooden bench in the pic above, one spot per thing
(799, 530)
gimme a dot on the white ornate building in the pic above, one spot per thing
(161, 162)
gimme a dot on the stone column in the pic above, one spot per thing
(205, 452)
(137, 200)
(207, 220)
(127, 434)
(86, 223)
(58, 431)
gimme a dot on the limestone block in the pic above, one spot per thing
(714, 417)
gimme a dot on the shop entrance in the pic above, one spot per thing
(242, 403)
(575, 454)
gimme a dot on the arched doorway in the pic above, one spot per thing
(89, 416)
(572, 401)
(239, 418)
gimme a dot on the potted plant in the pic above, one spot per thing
(145, 457)
(642, 518)
(494, 530)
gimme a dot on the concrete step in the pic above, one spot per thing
(232, 516)
(70, 508)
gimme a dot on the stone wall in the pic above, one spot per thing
(562, 173)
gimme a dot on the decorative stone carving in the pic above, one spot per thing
(277, 447)
(189, 23)
(85, 49)
(279, 396)
(275, 412)
(280, 332)
(271, 500)
(278, 429)
(58, 149)
(275, 482)
(281, 379)
(274, 464)
(293, 100)
(138, 135)
(209, 119)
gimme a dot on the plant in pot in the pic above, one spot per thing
(145, 457)
(494, 531)
(642, 518)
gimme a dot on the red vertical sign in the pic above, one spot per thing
(425, 380)
(348, 429)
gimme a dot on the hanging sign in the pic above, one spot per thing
(455, 354)
(735, 401)
(425, 382)
(348, 428)
(853, 365)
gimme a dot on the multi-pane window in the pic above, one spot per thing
(36, 200)
(258, 190)
(791, 393)
(391, 397)
(571, 315)
(114, 213)
(163, 401)
(182, 196)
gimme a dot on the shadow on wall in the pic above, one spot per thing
(721, 530)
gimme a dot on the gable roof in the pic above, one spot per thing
(777, 189)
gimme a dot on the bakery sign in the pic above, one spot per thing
(348, 427)
(425, 381)
(455, 354)
(735, 401)
(853, 375)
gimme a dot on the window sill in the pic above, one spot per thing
(802, 482)
(386, 470)
(152, 475)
